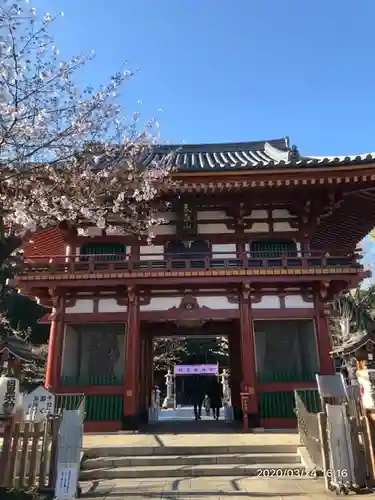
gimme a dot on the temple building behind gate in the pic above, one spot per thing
(257, 243)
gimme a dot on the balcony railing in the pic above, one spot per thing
(163, 262)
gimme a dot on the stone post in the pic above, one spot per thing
(226, 391)
(227, 400)
(169, 399)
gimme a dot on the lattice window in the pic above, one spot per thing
(193, 251)
(102, 251)
(272, 248)
(286, 350)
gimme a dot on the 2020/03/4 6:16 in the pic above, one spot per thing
(287, 472)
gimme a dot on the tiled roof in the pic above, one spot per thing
(47, 242)
(245, 155)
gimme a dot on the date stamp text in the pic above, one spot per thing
(301, 472)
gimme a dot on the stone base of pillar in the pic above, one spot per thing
(168, 403)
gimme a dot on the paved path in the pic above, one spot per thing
(210, 488)
(183, 413)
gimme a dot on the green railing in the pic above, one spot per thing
(311, 399)
(277, 404)
(102, 251)
(91, 381)
(281, 404)
(97, 408)
(287, 376)
(104, 408)
(69, 402)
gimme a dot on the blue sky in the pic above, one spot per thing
(236, 70)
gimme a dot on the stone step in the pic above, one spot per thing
(139, 451)
(262, 470)
(177, 460)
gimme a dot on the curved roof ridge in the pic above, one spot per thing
(281, 143)
(339, 157)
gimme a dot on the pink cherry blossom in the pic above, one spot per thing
(67, 154)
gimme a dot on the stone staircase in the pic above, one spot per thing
(144, 462)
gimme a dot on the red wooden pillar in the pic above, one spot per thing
(60, 332)
(142, 373)
(55, 344)
(249, 380)
(132, 360)
(323, 338)
(50, 369)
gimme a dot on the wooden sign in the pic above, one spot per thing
(186, 220)
(9, 396)
(38, 404)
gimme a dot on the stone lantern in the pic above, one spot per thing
(169, 399)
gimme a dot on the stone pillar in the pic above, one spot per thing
(55, 343)
(226, 390)
(228, 410)
(249, 381)
(169, 400)
(132, 362)
(322, 335)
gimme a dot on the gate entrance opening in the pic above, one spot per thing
(186, 377)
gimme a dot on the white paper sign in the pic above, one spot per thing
(66, 483)
(38, 404)
(196, 369)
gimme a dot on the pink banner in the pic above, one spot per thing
(196, 370)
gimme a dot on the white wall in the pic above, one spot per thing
(264, 227)
(291, 302)
(297, 302)
(105, 305)
(216, 303)
(81, 306)
(165, 303)
(211, 215)
(230, 250)
(267, 302)
(215, 228)
(161, 303)
(110, 305)
(151, 252)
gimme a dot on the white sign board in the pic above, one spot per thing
(66, 483)
(68, 454)
(196, 369)
(366, 380)
(38, 404)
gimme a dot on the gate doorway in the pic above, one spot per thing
(215, 347)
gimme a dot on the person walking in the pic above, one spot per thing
(198, 392)
(215, 394)
(206, 405)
